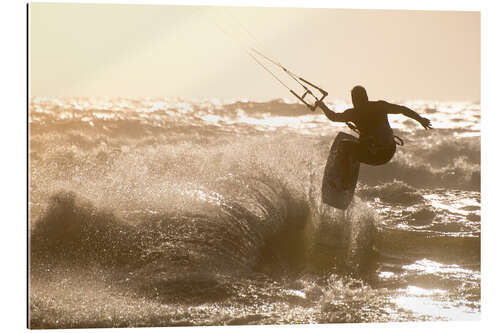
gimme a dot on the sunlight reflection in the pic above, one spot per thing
(427, 307)
(427, 266)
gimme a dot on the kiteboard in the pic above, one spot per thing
(333, 189)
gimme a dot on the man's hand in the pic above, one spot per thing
(426, 123)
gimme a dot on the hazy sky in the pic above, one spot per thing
(173, 51)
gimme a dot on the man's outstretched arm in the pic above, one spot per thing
(394, 108)
(334, 116)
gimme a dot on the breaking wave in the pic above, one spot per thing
(188, 226)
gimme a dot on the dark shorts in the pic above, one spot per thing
(369, 153)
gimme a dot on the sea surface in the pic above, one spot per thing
(170, 212)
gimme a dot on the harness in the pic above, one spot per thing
(353, 127)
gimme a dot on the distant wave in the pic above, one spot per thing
(432, 160)
(458, 175)
(395, 192)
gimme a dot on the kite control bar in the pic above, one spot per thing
(304, 84)
(309, 92)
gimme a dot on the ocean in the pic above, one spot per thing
(171, 212)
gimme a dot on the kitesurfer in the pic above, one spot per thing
(376, 144)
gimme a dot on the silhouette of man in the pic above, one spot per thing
(376, 143)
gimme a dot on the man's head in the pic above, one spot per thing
(359, 96)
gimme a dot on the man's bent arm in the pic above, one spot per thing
(333, 116)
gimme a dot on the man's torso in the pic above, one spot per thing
(372, 122)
